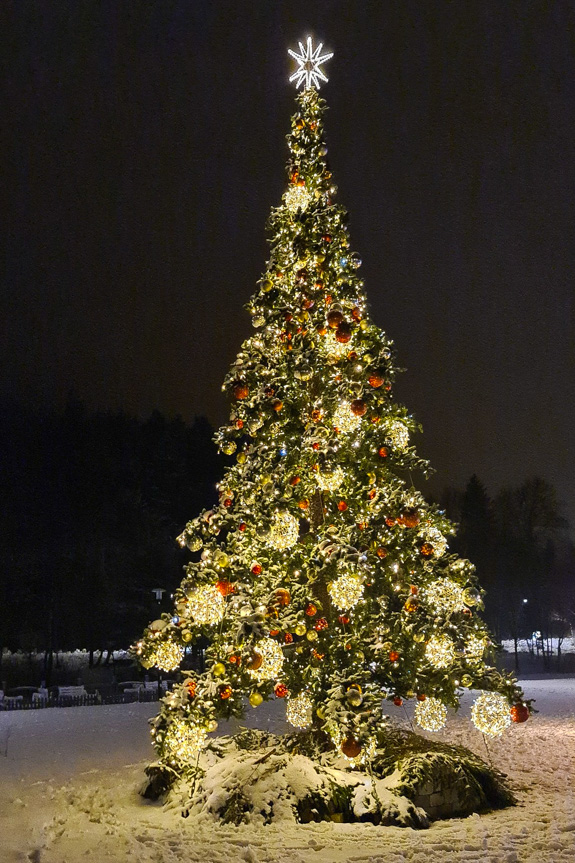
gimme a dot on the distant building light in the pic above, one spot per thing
(525, 601)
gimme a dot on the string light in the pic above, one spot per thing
(440, 651)
(299, 711)
(490, 714)
(284, 531)
(330, 480)
(184, 739)
(167, 655)
(333, 349)
(272, 660)
(344, 420)
(431, 714)
(435, 537)
(345, 591)
(445, 595)
(206, 605)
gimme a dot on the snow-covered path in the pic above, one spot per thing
(69, 779)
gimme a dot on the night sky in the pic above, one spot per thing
(144, 145)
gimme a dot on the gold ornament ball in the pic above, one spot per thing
(218, 669)
(300, 629)
(256, 699)
(186, 636)
(354, 697)
(311, 635)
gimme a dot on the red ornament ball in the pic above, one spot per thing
(242, 526)
(351, 747)
(358, 407)
(421, 696)
(225, 691)
(426, 549)
(191, 687)
(343, 619)
(282, 596)
(311, 609)
(256, 569)
(321, 624)
(342, 506)
(288, 638)
(281, 690)
(398, 701)
(240, 391)
(382, 452)
(334, 318)
(519, 713)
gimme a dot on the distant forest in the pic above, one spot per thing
(92, 503)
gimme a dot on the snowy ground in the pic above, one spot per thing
(69, 779)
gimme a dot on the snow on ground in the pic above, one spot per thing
(69, 780)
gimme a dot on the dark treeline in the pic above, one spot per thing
(525, 560)
(91, 506)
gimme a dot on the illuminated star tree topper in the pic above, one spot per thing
(309, 61)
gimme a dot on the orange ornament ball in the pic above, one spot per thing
(411, 518)
(255, 661)
(381, 551)
(358, 407)
(225, 691)
(426, 549)
(343, 619)
(393, 655)
(343, 333)
(421, 696)
(342, 506)
(334, 318)
(225, 587)
(256, 569)
(282, 596)
(191, 687)
(311, 609)
(351, 747)
(375, 381)
(382, 452)
(398, 701)
(240, 392)
(277, 405)
(519, 713)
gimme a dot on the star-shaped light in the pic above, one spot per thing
(309, 61)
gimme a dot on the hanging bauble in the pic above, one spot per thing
(256, 699)
(381, 551)
(272, 660)
(194, 543)
(490, 714)
(321, 624)
(440, 651)
(225, 691)
(254, 661)
(350, 747)
(382, 452)
(218, 669)
(431, 714)
(256, 569)
(470, 596)
(300, 629)
(299, 711)
(345, 591)
(222, 559)
(277, 405)
(281, 690)
(168, 656)
(393, 655)
(398, 434)
(225, 587)
(342, 505)
(187, 636)
(311, 609)
(376, 381)
(284, 531)
(190, 686)
(334, 318)
(206, 605)
(358, 407)
(355, 260)
(398, 701)
(288, 638)
(466, 680)
(354, 696)
(240, 391)
(426, 549)
(411, 518)
(311, 635)
(330, 478)
(411, 605)
(266, 285)
(519, 713)
(343, 333)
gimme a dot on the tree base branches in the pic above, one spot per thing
(257, 777)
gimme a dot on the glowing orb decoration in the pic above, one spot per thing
(299, 711)
(440, 651)
(490, 714)
(309, 61)
(330, 480)
(333, 349)
(445, 596)
(431, 714)
(434, 536)
(167, 655)
(206, 605)
(344, 420)
(297, 198)
(272, 660)
(475, 648)
(398, 434)
(345, 591)
(184, 740)
(284, 531)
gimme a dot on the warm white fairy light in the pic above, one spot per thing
(206, 605)
(398, 434)
(475, 648)
(490, 714)
(445, 596)
(297, 198)
(440, 651)
(309, 61)
(167, 656)
(332, 348)
(184, 739)
(284, 531)
(299, 711)
(431, 714)
(345, 591)
(434, 536)
(272, 660)
(330, 480)
(344, 420)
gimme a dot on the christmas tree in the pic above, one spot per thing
(322, 577)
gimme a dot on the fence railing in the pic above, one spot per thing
(88, 700)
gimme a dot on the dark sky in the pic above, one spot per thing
(144, 144)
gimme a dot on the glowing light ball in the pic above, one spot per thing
(431, 714)
(490, 714)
